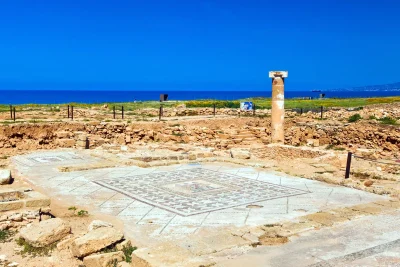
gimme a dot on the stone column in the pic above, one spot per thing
(278, 105)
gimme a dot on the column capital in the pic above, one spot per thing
(282, 74)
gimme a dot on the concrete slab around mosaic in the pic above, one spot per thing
(329, 248)
(149, 217)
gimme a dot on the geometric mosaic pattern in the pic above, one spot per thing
(194, 191)
(50, 158)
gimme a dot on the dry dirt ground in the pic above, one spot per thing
(378, 171)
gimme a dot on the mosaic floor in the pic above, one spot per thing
(195, 191)
(50, 159)
(184, 198)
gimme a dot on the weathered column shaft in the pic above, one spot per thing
(278, 106)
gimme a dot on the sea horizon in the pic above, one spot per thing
(103, 96)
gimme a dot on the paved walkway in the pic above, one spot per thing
(368, 241)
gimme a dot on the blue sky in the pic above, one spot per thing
(147, 44)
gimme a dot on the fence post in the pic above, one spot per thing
(322, 112)
(11, 112)
(72, 112)
(14, 113)
(159, 112)
(254, 110)
(68, 111)
(301, 111)
(114, 112)
(87, 144)
(214, 109)
(348, 165)
(122, 112)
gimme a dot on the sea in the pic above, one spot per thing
(15, 97)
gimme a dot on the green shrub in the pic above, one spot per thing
(354, 118)
(127, 250)
(83, 213)
(388, 120)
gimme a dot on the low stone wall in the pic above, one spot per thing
(34, 136)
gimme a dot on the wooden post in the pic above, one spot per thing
(122, 112)
(322, 112)
(87, 143)
(214, 109)
(254, 110)
(114, 112)
(68, 112)
(301, 111)
(348, 165)
(72, 112)
(11, 112)
(14, 113)
(159, 112)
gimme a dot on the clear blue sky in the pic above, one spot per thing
(189, 44)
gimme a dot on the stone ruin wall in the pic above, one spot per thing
(57, 135)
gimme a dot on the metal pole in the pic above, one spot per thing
(11, 112)
(348, 165)
(122, 112)
(322, 112)
(14, 113)
(114, 112)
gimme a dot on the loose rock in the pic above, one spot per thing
(5, 177)
(95, 241)
(45, 233)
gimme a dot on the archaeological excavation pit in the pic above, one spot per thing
(183, 198)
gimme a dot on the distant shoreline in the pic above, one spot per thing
(260, 103)
(92, 97)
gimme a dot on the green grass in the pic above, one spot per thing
(260, 103)
(265, 103)
(5, 235)
(388, 120)
(34, 251)
(354, 118)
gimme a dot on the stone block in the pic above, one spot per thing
(65, 142)
(237, 153)
(104, 260)
(5, 176)
(95, 241)
(36, 199)
(11, 205)
(45, 232)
